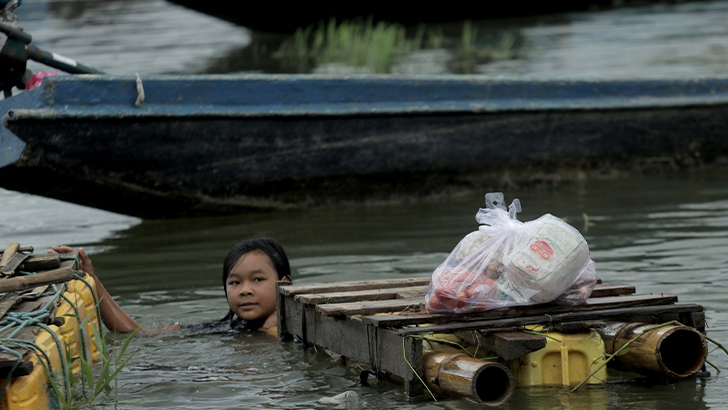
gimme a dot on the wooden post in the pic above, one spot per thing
(281, 311)
(413, 387)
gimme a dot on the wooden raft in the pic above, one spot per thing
(373, 322)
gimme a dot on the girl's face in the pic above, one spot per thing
(250, 287)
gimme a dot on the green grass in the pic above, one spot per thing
(364, 46)
(95, 377)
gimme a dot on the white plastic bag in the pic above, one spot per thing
(507, 262)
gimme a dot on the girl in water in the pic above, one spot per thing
(249, 275)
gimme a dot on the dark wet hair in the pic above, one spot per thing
(267, 246)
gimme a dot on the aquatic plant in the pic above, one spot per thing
(363, 46)
(101, 382)
(95, 378)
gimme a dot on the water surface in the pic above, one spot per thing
(662, 233)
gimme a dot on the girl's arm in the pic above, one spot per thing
(113, 316)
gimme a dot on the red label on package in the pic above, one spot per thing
(543, 249)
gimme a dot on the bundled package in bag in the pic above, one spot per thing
(507, 262)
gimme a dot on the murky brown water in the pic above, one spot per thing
(664, 233)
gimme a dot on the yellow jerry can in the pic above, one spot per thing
(565, 362)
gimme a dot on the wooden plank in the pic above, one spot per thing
(413, 387)
(362, 295)
(30, 281)
(8, 254)
(373, 307)
(281, 311)
(21, 249)
(646, 312)
(612, 289)
(7, 301)
(578, 326)
(12, 264)
(649, 299)
(381, 349)
(36, 263)
(512, 345)
(29, 333)
(352, 286)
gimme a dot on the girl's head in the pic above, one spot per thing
(250, 272)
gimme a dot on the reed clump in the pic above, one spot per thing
(366, 46)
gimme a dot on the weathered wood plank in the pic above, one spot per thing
(381, 349)
(578, 326)
(29, 333)
(8, 254)
(650, 299)
(612, 289)
(30, 281)
(369, 308)
(21, 249)
(362, 295)
(7, 301)
(36, 263)
(646, 314)
(512, 345)
(12, 264)
(352, 286)
(281, 311)
(413, 387)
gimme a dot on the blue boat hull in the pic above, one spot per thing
(218, 144)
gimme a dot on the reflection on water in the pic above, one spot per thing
(653, 41)
(43, 222)
(123, 36)
(155, 36)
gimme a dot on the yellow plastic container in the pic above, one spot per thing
(86, 294)
(31, 391)
(562, 363)
(70, 329)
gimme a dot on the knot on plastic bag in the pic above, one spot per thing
(495, 211)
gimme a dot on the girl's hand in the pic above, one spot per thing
(85, 261)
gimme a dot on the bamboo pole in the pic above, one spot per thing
(668, 351)
(462, 376)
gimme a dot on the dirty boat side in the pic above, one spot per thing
(380, 324)
(185, 145)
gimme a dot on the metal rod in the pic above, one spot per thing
(60, 62)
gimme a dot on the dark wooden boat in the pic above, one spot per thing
(218, 144)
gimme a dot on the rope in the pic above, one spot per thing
(80, 329)
(13, 322)
(140, 91)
